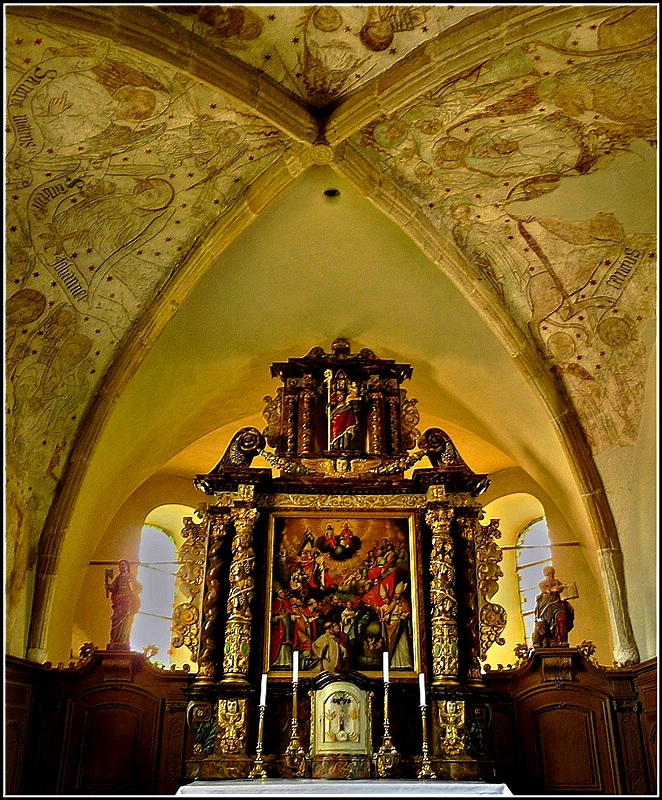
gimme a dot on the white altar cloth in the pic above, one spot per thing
(321, 787)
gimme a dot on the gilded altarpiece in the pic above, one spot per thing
(357, 555)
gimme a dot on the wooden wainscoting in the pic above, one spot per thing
(565, 725)
(111, 724)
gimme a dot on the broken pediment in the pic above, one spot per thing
(345, 418)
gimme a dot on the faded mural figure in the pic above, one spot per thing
(626, 364)
(554, 616)
(124, 591)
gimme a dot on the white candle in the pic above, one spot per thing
(385, 660)
(421, 688)
(295, 666)
(263, 690)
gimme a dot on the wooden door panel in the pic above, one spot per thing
(567, 743)
(112, 742)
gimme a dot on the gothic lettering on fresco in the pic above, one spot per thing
(82, 107)
(29, 84)
(341, 594)
(98, 215)
(510, 130)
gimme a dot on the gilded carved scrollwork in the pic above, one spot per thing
(272, 415)
(442, 597)
(488, 555)
(239, 618)
(190, 579)
(211, 603)
(325, 502)
(231, 726)
(410, 418)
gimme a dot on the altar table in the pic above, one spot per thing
(321, 787)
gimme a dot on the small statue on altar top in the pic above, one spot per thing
(124, 591)
(554, 616)
(342, 410)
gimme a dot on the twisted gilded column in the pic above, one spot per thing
(375, 416)
(307, 398)
(443, 601)
(393, 402)
(290, 403)
(470, 600)
(218, 528)
(242, 584)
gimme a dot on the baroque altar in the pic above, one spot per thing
(341, 582)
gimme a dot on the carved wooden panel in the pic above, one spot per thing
(503, 746)
(173, 744)
(646, 685)
(112, 742)
(566, 743)
(17, 708)
(632, 752)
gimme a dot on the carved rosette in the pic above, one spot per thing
(239, 618)
(231, 726)
(442, 597)
(190, 578)
(201, 721)
(492, 615)
(470, 598)
(211, 604)
(452, 732)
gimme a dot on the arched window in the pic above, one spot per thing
(533, 553)
(156, 574)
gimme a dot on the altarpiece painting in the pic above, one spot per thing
(341, 593)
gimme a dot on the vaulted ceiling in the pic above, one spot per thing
(168, 235)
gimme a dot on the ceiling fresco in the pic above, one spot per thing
(115, 167)
(509, 131)
(120, 162)
(319, 52)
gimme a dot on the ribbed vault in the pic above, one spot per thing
(143, 141)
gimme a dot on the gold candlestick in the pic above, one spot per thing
(294, 756)
(387, 757)
(426, 770)
(258, 770)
